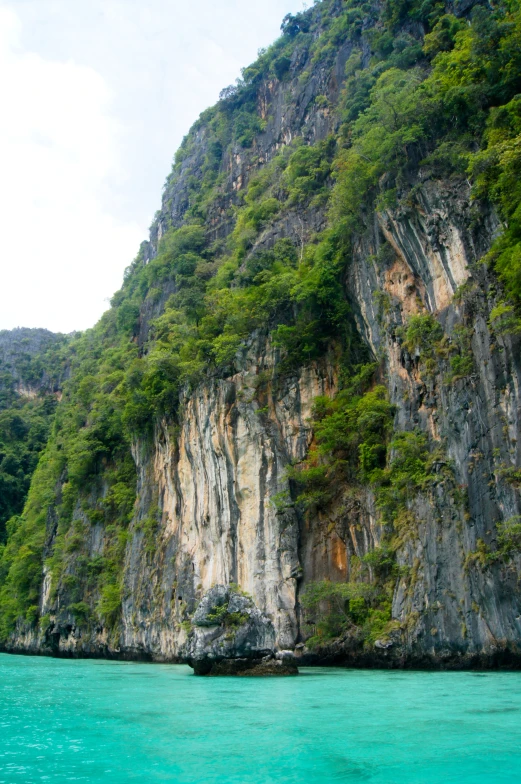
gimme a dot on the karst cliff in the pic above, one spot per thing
(304, 401)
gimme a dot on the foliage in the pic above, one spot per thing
(447, 101)
(504, 320)
(24, 429)
(35, 360)
(351, 433)
(109, 604)
(220, 615)
(508, 545)
(21, 558)
(462, 359)
(88, 439)
(424, 339)
(335, 609)
(410, 471)
(421, 334)
(81, 612)
(308, 171)
(354, 441)
(509, 535)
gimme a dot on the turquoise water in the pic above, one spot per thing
(112, 722)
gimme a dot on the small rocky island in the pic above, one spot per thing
(231, 636)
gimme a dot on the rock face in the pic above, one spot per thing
(230, 636)
(223, 507)
(215, 486)
(462, 611)
(28, 367)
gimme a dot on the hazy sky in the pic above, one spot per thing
(96, 96)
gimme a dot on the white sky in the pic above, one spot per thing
(95, 98)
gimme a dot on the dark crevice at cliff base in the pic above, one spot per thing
(448, 660)
(506, 660)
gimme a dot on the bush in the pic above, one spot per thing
(509, 535)
(109, 605)
(421, 334)
(81, 612)
(333, 610)
(281, 66)
(308, 170)
(351, 433)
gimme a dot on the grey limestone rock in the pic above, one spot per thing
(231, 636)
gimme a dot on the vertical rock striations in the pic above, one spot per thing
(328, 469)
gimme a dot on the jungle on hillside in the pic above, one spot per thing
(427, 87)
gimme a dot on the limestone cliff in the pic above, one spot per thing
(215, 503)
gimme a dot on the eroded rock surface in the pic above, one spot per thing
(230, 636)
(212, 475)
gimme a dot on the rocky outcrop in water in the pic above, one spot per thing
(230, 636)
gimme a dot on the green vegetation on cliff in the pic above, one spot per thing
(423, 89)
(31, 365)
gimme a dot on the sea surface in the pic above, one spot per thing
(116, 722)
